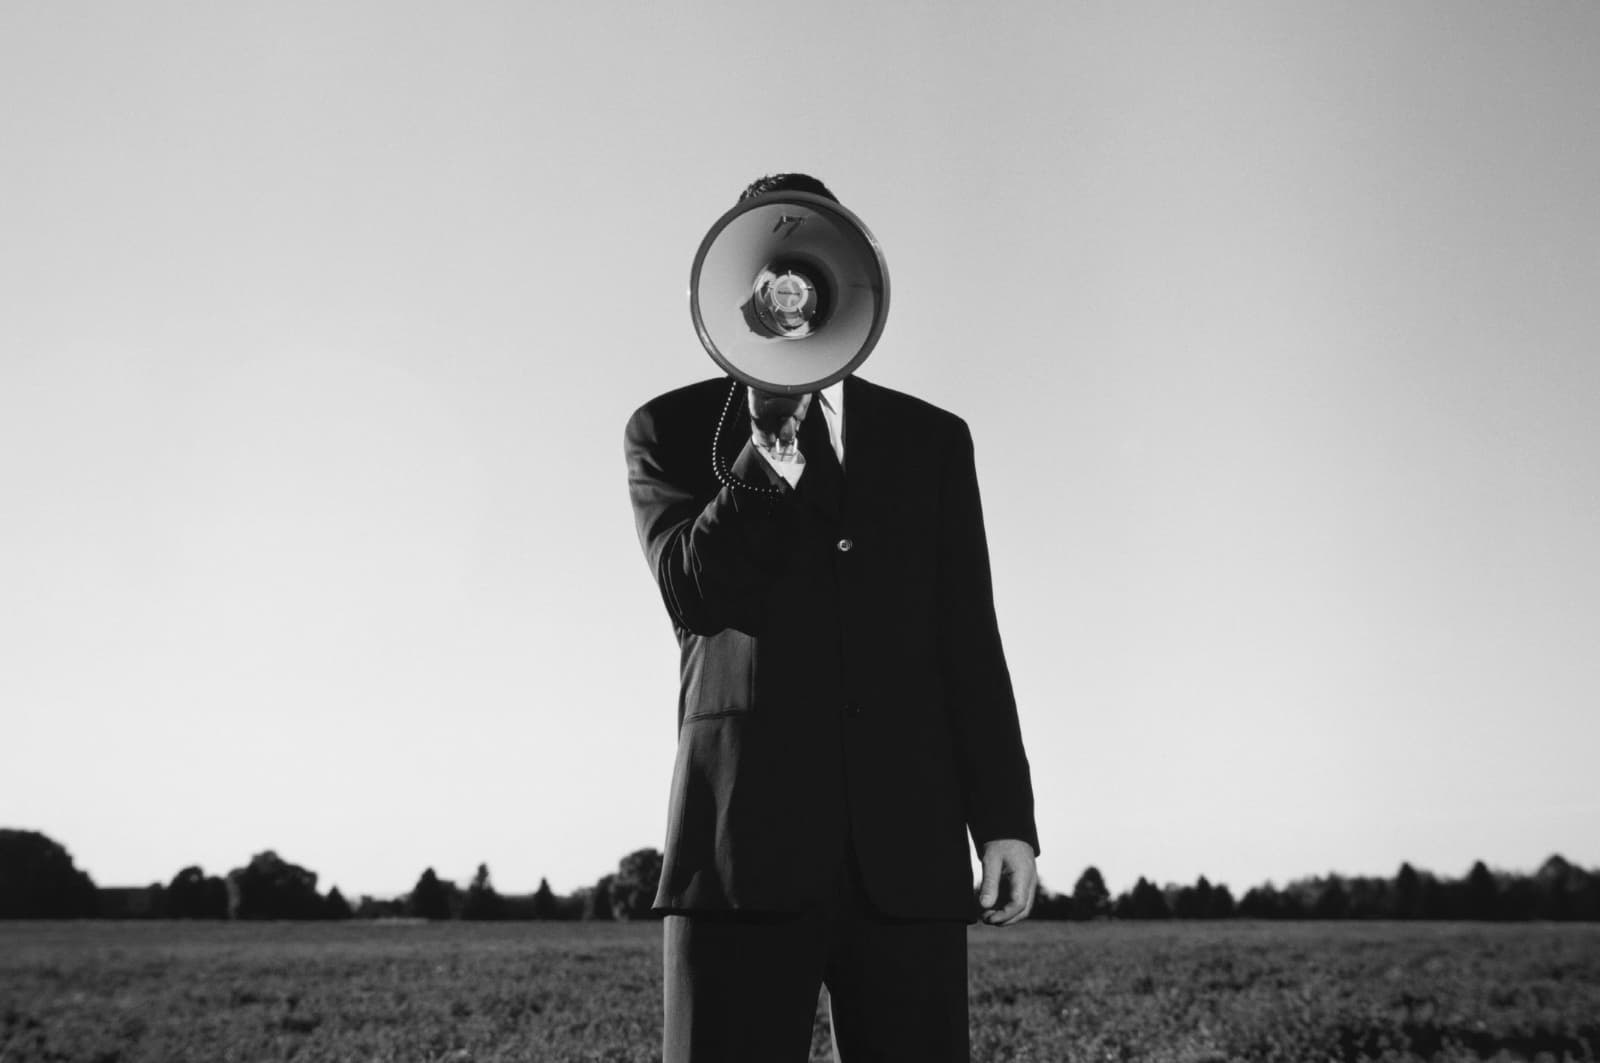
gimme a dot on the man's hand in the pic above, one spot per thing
(775, 419)
(1008, 861)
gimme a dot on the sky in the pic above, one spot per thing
(1275, 325)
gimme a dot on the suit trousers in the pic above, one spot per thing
(742, 987)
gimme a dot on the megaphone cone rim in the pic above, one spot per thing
(823, 205)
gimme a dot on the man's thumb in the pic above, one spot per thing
(989, 892)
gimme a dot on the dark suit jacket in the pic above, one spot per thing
(842, 674)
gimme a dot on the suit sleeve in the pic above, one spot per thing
(713, 558)
(995, 778)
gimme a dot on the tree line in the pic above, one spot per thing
(1558, 890)
(38, 880)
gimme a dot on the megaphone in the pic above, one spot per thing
(789, 292)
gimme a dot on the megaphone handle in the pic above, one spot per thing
(719, 464)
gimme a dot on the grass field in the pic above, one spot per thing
(476, 993)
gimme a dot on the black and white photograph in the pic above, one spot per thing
(1040, 532)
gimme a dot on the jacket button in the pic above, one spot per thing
(846, 545)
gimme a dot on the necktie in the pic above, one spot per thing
(823, 480)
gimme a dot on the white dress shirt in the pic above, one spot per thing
(832, 399)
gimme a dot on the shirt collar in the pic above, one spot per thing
(833, 396)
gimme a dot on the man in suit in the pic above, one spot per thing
(845, 718)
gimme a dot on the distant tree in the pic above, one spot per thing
(545, 905)
(1268, 902)
(1586, 895)
(597, 904)
(430, 897)
(1090, 898)
(369, 907)
(1480, 894)
(633, 889)
(39, 881)
(1202, 901)
(1221, 905)
(334, 906)
(1518, 899)
(1564, 891)
(270, 887)
(570, 906)
(482, 902)
(1369, 897)
(1329, 900)
(1407, 898)
(1052, 906)
(1298, 898)
(193, 894)
(1551, 887)
(1438, 900)
(1259, 902)
(1144, 901)
(1193, 902)
(518, 907)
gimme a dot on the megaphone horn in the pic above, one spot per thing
(789, 292)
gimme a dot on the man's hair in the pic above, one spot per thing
(786, 182)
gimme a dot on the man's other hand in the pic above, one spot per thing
(775, 419)
(1008, 872)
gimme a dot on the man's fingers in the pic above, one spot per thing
(1011, 913)
(990, 890)
(1014, 912)
(1024, 883)
(1029, 889)
(1020, 909)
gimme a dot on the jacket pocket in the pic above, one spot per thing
(719, 675)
